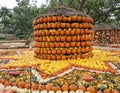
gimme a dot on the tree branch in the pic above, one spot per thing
(70, 2)
(106, 12)
(81, 5)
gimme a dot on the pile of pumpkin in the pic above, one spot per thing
(61, 37)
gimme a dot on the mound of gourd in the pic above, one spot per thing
(63, 33)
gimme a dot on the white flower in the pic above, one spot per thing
(36, 91)
(44, 91)
(14, 88)
(65, 91)
(1, 86)
(51, 92)
(79, 91)
(59, 91)
(8, 87)
(71, 92)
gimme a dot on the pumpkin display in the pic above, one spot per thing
(106, 34)
(63, 31)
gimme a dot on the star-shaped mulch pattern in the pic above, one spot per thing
(47, 68)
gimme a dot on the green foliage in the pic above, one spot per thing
(19, 19)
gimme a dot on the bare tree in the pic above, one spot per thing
(81, 5)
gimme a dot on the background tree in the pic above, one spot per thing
(19, 20)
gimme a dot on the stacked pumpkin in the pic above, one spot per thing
(63, 34)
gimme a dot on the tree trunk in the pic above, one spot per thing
(81, 5)
(60, 2)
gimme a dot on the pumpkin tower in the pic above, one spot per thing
(62, 34)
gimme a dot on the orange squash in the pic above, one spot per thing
(74, 18)
(106, 91)
(73, 87)
(64, 57)
(73, 44)
(54, 18)
(65, 87)
(68, 38)
(63, 25)
(59, 18)
(82, 88)
(56, 88)
(62, 38)
(48, 87)
(21, 84)
(64, 51)
(79, 18)
(64, 19)
(91, 89)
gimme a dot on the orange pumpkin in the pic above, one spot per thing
(67, 32)
(73, 87)
(78, 44)
(58, 25)
(79, 18)
(49, 19)
(62, 32)
(106, 91)
(115, 91)
(59, 18)
(49, 25)
(65, 87)
(48, 87)
(77, 31)
(59, 57)
(63, 25)
(74, 18)
(69, 19)
(67, 45)
(53, 25)
(45, 19)
(82, 44)
(73, 44)
(52, 39)
(82, 88)
(62, 38)
(58, 52)
(27, 85)
(73, 25)
(64, 51)
(57, 38)
(72, 32)
(53, 57)
(74, 51)
(74, 38)
(57, 33)
(78, 50)
(54, 18)
(91, 89)
(51, 45)
(64, 19)
(68, 38)
(62, 45)
(57, 45)
(41, 87)
(64, 57)
(69, 51)
(56, 88)
(21, 84)
(68, 25)
(53, 51)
